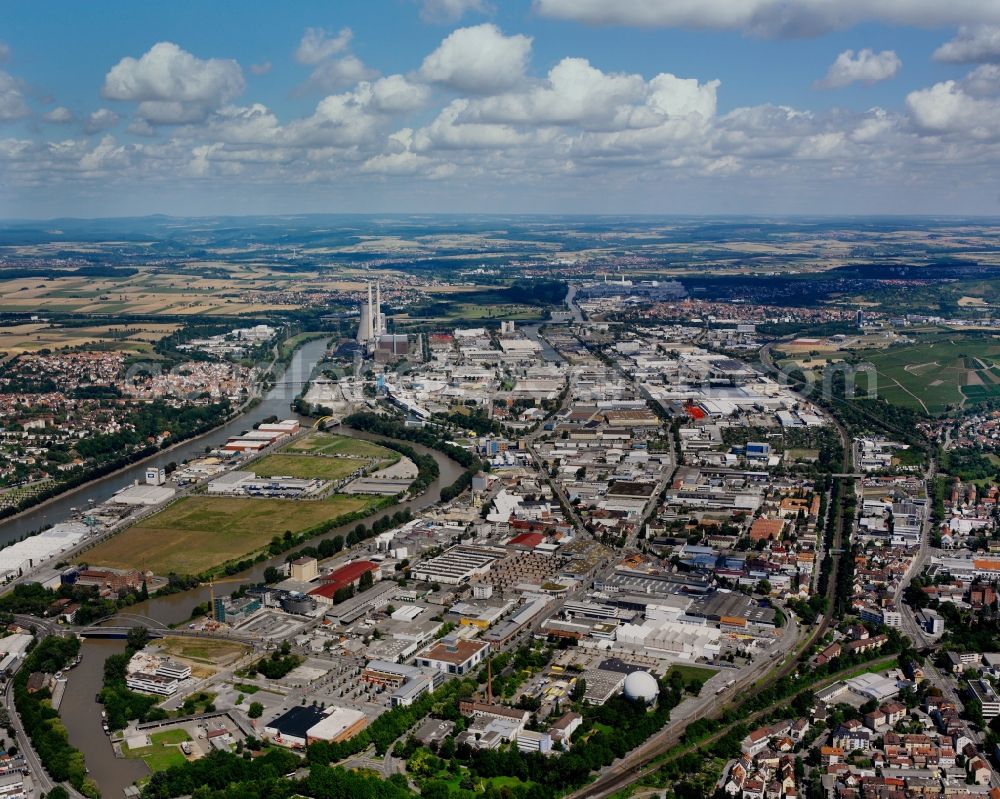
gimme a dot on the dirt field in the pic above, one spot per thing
(205, 651)
(196, 533)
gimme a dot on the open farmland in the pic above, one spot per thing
(198, 533)
(939, 373)
(32, 337)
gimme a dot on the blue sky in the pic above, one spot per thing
(112, 108)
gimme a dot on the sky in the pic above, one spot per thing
(216, 107)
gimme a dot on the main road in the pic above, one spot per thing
(631, 767)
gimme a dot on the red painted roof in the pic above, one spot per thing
(531, 540)
(350, 572)
(343, 577)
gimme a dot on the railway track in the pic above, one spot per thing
(635, 764)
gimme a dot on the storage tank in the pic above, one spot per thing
(641, 686)
(299, 604)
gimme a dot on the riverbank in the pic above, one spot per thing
(175, 608)
(284, 354)
(276, 402)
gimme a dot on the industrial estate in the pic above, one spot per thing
(602, 529)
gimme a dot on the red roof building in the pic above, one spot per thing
(343, 577)
(526, 540)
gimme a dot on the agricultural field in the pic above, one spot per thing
(197, 533)
(319, 443)
(35, 336)
(471, 311)
(146, 292)
(939, 373)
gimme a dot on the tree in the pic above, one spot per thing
(367, 581)
(256, 710)
(272, 575)
(137, 638)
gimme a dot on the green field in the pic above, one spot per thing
(163, 751)
(319, 443)
(197, 533)
(699, 674)
(471, 311)
(939, 373)
(307, 466)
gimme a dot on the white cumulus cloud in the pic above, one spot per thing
(973, 44)
(318, 45)
(771, 17)
(576, 93)
(101, 119)
(338, 73)
(479, 60)
(865, 66)
(954, 107)
(395, 94)
(59, 116)
(172, 85)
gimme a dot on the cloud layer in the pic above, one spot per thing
(973, 45)
(771, 17)
(477, 114)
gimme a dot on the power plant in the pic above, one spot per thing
(373, 323)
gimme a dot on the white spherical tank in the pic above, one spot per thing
(641, 686)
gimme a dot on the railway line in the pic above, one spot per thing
(635, 764)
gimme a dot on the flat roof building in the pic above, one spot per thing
(458, 564)
(453, 655)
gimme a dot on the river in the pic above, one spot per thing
(177, 608)
(79, 712)
(277, 402)
(548, 352)
(81, 716)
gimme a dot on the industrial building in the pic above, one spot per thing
(458, 564)
(453, 655)
(670, 639)
(306, 724)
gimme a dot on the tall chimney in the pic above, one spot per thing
(371, 317)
